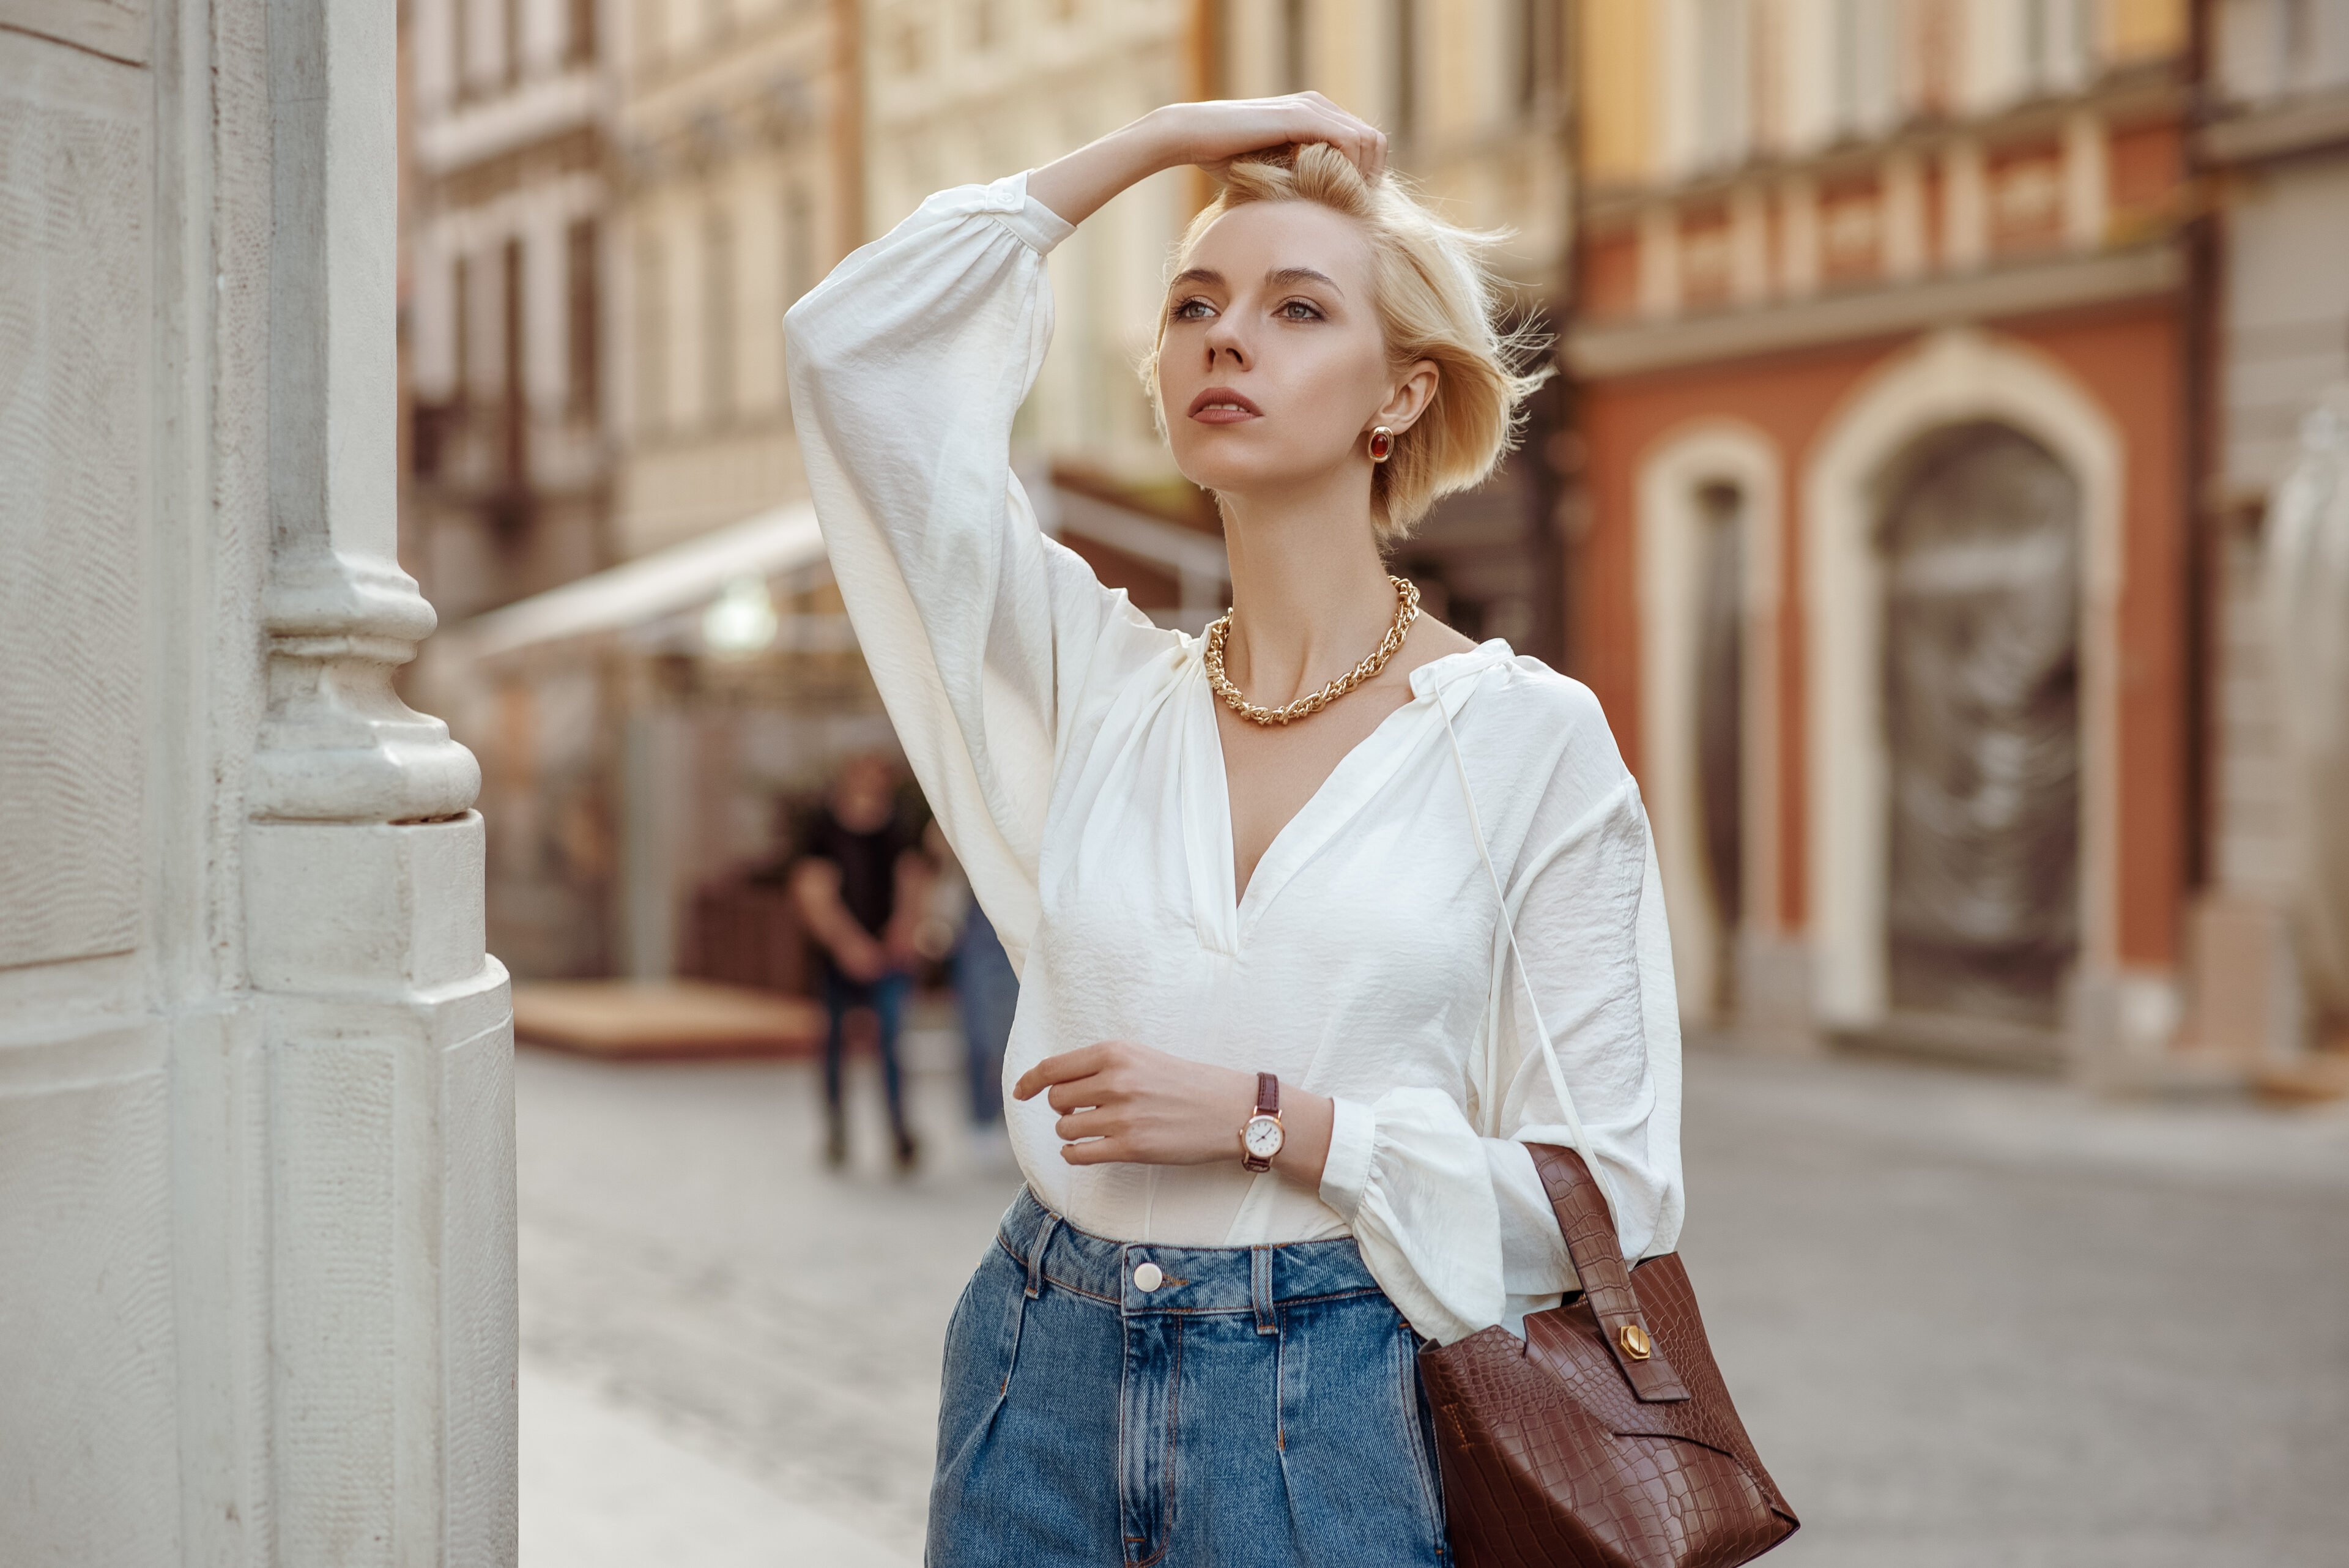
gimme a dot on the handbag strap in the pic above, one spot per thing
(1572, 1176)
(1590, 1232)
(1533, 1003)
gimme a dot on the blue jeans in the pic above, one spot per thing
(988, 994)
(886, 997)
(1260, 1408)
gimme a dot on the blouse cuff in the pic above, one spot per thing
(1039, 226)
(1347, 1172)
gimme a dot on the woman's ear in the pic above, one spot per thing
(1409, 398)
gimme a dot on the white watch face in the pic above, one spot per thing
(1261, 1136)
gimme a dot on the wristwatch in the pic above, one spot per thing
(1261, 1136)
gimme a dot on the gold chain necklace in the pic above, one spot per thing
(1406, 612)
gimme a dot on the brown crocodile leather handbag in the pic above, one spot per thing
(1605, 1437)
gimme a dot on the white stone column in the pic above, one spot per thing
(256, 1174)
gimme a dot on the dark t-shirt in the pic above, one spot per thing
(867, 862)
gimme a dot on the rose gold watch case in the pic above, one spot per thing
(1249, 1156)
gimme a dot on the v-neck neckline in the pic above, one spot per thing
(1222, 910)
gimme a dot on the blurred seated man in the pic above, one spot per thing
(862, 885)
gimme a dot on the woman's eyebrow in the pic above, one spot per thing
(1290, 275)
(1207, 275)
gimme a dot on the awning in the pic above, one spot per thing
(687, 577)
(682, 577)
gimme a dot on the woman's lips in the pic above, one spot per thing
(1222, 406)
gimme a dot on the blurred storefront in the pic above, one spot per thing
(1883, 361)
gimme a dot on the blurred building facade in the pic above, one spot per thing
(1883, 350)
(505, 211)
(740, 157)
(2274, 145)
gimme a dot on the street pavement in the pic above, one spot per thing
(1969, 1319)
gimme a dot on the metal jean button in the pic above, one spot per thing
(1148, 1278)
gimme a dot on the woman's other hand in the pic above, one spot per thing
(1122, 1102)
(1211, 135)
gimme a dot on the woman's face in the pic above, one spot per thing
(1273, 368)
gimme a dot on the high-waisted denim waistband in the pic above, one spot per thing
(1190, 1280)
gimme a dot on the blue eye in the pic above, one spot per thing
(1193, 310)
(1298, 310)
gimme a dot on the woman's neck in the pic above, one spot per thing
(1309, 595)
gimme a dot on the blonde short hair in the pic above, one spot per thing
(1436, 302)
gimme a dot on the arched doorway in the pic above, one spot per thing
(1980, 542)
(1708, 719)
(1879, 447)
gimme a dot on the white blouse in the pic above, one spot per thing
(1069, 750)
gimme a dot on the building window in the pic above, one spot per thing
(1295, 41)
(516, 405)
(718, 319)
(1933, 44)
(652, 337)
(799, 265)
(799, 243)
(581, 305)
(462, 327)
(580, 46)
(510, 39)
(1724, 75)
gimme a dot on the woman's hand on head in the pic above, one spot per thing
(1211, 135)
(1214, 134)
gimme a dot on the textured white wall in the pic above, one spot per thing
(256, 1287)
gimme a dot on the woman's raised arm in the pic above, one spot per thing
(986, 639)
(908, 364)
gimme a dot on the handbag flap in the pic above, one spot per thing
(1598, 1254)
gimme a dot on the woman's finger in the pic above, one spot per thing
(1081, 1062)
(1086, 1121)
(1075, 1095)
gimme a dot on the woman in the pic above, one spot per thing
(1274, 1077)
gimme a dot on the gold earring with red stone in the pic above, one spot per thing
(1382, 444)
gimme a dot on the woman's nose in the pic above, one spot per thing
(1224, 344)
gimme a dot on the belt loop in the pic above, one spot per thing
(1260, 1288)
(1036, 1256)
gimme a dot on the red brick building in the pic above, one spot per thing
(1882, 372)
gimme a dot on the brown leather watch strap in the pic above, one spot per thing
(1590, 1242)
(1267, 1095)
